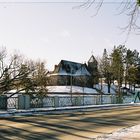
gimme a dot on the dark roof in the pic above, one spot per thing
(69, 67)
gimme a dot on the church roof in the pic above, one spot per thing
(71, 68)
(92, 60)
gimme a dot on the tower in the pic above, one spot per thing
(93, 69)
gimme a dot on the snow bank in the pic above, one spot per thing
(123, 134)
(75, 89)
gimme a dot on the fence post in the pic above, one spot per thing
(98, 99)
(3, 102)
(56, 101)
(112, 99)
(27, 101)
(79, 101)
(23, 101)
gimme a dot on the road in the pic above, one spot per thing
(86, 125)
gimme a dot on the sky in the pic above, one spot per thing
(56, 30)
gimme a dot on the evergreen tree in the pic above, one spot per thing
(129, 60)
(105, 68)
(132, 72)
(136, 57)
(138, 75)
(117, 64)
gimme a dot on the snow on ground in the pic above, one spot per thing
(78, 89)
(105, 88)
(62, 89)
(130, 133)
(75, 89)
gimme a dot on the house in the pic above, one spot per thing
(71, 73)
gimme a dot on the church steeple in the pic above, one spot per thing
(92, 60)
(93, 69)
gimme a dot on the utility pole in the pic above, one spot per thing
(71, 77)
(71, 82)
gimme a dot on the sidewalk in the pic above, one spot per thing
(58, 110)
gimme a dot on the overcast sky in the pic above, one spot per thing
(55, 31)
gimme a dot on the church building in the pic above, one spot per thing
(68, 73)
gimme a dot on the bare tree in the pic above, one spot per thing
(14, 74)
(129, 7)
(18, 73)
(40, 77)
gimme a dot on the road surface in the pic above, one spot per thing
(86, 125)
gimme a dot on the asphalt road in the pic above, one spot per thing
(86, 125)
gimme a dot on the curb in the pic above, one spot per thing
(60, 110)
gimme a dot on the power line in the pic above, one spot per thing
(60, 2)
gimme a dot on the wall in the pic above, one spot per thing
(55, 80)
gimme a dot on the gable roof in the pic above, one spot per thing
(92, 60)
(70, 68)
